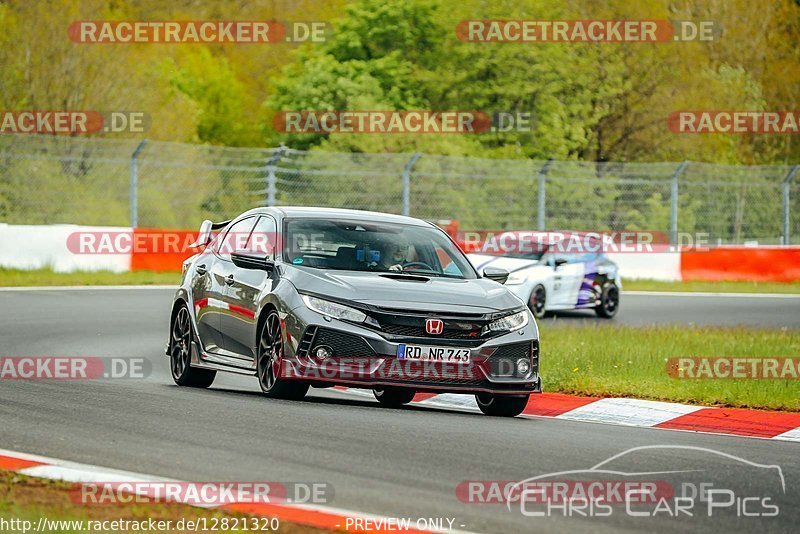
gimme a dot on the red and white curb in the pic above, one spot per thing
(635, 412)
(323, 517)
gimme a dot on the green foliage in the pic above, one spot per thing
(374, 29)
(217, 95)
(605, 101)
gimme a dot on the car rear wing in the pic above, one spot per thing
(206, 233)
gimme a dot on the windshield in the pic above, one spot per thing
(374, 247)
(514, 249)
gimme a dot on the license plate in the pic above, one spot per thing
(432, 354)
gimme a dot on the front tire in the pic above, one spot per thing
(270, 363)
(393, 397)
(501, 405)
(180, 353)
(537, 301)
(609, 301)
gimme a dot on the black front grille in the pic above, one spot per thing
(394, 312)
(419, 331)
(503, 361)
(343, 344)
(399, 326)
(512, 352)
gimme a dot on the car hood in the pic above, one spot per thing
(437, 294)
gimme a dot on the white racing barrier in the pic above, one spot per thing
(30, 247)
(664, 266)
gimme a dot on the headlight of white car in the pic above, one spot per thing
(509, 323)
(333, 309)
(516, 279)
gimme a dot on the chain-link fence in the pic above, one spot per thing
(56, 179)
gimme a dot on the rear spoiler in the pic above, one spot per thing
(205, 236)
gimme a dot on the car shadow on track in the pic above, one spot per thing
(312, 399)
(577, 316)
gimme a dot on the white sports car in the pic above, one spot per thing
(552, 277)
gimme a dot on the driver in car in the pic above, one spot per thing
(395, 254)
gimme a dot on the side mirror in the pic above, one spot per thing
(497, 274)
(205, 236)
(558, 263)
(252, 261)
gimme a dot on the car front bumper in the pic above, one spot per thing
(363, 357)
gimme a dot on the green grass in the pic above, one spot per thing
(718, 287)
(628, 361)
(46, 277)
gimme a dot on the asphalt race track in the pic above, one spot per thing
(642, 309)
(401, 463)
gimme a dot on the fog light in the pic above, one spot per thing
(323, 353)
(523, 366)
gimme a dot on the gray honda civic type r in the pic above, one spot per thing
(323, 297)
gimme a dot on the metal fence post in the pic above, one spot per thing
(135, 184)
(542, 204)
(407, 182)
(673, 204)
(272, 179)
(787, 182)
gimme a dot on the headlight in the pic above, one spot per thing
(509, 323)
(516, 279)
(333, 309)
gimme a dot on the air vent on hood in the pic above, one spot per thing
(406, 277)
